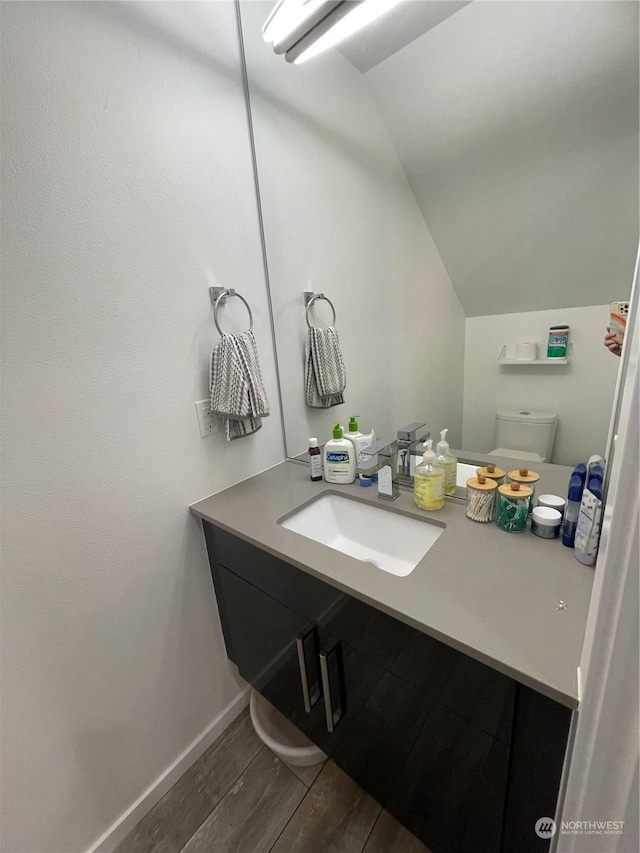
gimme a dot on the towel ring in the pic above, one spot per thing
(218, 296)
(310, 298)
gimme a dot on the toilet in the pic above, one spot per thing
(525, 435)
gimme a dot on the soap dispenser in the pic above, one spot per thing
(360, 441)
(428, 481)
(339, 458)
(353, 433)
(448, 462)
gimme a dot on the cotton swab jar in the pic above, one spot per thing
(513, 507)
(481, 499)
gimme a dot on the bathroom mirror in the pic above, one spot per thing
(456, 178)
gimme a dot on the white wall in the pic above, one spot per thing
(340, 218)
(127, 190)
(581, 393)
(517, 126)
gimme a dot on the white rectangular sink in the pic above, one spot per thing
(392, 542)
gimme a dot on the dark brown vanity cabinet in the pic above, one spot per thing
(463, 756)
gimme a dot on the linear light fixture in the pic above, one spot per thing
(301, 29)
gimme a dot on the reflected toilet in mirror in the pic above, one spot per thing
(525, 435)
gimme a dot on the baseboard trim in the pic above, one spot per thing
(119, 830)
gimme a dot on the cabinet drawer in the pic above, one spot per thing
(295, 589)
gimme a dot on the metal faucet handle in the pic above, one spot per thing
(380, 448)
(372, 458)
(410, 432)
(390, 450)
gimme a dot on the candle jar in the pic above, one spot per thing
(513, 507)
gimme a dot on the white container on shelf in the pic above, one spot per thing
(527, 351)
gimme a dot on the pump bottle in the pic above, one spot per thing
(448, 462)
(339, 458)
(428, 481)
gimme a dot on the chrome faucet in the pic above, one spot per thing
(409, 437)
(382, 458)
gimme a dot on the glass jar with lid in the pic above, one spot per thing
(513, 507)
(481, 499)
(526, 478)
(493, 473)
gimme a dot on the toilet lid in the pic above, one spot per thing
(516, 454)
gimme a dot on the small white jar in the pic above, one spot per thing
(553, 502)
(545, 522)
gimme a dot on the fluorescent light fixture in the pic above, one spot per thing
(360, 16)
(302, 29)
(292, 19)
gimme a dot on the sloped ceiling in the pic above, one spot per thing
(517, 126)
(393, 31)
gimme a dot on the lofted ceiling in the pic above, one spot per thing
(396, 29)
(516, 124)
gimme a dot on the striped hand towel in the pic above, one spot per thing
(237, 390)
(325, 375)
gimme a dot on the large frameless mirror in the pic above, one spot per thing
(456, 178)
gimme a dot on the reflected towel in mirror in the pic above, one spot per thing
(325, 375)
(237, 390)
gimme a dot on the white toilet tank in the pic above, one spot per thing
(531, 433)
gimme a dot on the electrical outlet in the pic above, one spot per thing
(207, 422)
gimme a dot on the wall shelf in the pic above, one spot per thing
(547, 362)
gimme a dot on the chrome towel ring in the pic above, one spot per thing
(310, 298)
(219, 297)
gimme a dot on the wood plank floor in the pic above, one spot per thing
(239, 798)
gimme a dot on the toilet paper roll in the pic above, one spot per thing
(526, 352)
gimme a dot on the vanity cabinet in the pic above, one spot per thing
(464, 757)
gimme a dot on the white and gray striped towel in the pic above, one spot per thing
(237, 390)
(325, 377)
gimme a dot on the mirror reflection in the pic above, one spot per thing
(457, 179)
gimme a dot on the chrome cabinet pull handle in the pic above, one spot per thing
(307, 645)
(331, 677)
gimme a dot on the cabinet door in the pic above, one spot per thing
(451, 791)
(538, 746)
(277, 650)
